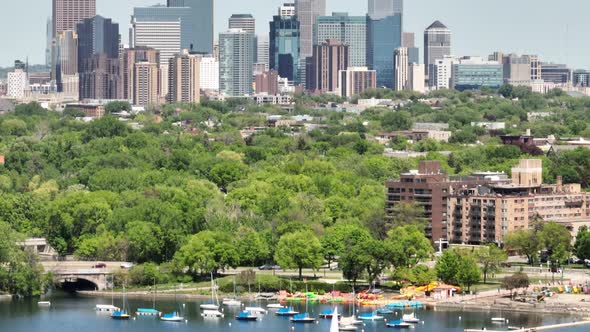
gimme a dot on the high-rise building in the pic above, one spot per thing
(236, 61)
(581, 78)
(474, 73)
(267, 83)
(209, 73)
(355, 80)
(517, 69)
(146, 83)
(262, 49)
(287, 9)
(556, 73)
(400, 69)
(184, 78)
(196, 17)
(100, 78)
(49, 43)
(163, 36)
(349, 30)
(245, 22)
(440, 73)
(147, 57)
(416, 78)
(68, 13)
(379, 9)
(284, 55)
(535, 68)
(64, 72)
(437, 43)
(98, 59)
(413, 51)
(17, 81)
(384, 35)
(97, 35)
(307, 12)
(323, 67)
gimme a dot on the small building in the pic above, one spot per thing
(90, 110)
(41, 247)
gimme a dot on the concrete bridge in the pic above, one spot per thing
(101, 279)
(81, 274)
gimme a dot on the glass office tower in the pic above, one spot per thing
(383, 37)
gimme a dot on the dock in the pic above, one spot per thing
(539, 328)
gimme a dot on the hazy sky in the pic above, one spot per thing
(558, 31)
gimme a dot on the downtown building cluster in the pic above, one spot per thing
(174, 56)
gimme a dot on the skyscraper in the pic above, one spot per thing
(284, 55)
(184, 78)
(49, 43)
(65, 63)
(17, 81)
(245, 22)
(416, 78)
(400, 68)
(382, 8)
(440, 73)
(323, 67)
(236, 61)
(413, 52)
(437, 43)
(98, 59)
(209, 73)
(384, 35)
(163, 36)
(355, 80)
(349, 30)
(472, 73)
(196, 17)
(307, 12)
(145, 83)
(135, 84)
(68, 13)
(262, 51)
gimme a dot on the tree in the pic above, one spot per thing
(582, 244)
(107, 126)
(447, 267)
(252, 248)
(299, 250)
(227, 172)
(207, 252)
(395, 121)
(408, 245)
(490, 258)
(556, 239)
(525, 242)
(468, 272)
(117, 106)
(515, 281)
(145, 244)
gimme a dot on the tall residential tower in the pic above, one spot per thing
(437, 43)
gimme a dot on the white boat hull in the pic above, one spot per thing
(209, 307)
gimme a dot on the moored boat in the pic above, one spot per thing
(256, 310)
(327, 314)
(373, 316)
(172, 317)
(147, 312)
(398, 324)
(302, 318)
(106, 308)
(211, 314)
(120, 315)
(246, 316)
(411, 318)
(275, 306)
(286, 311)
(44, 304)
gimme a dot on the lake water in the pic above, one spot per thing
(70, 313)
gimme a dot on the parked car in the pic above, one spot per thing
(127, 265)
(269, 267)
(99, 266)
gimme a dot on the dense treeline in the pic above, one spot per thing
(187, 190)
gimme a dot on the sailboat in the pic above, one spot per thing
(232, 302)
(122, 314)
(304, 317)
(348, 323)
(214, 304)
(334, 323)
(149, 311)
(411, 318)
(173, 316)
(108, 308)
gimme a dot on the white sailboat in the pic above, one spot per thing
(214, 304)
(232, 302)
(348, 323)
(334, 324)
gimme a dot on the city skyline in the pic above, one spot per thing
(474, 34)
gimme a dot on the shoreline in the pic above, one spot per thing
(565, 309)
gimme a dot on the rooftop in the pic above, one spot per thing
(437, 25)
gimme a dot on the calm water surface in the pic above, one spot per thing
(70, 313)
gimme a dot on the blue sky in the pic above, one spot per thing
(558, 31)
